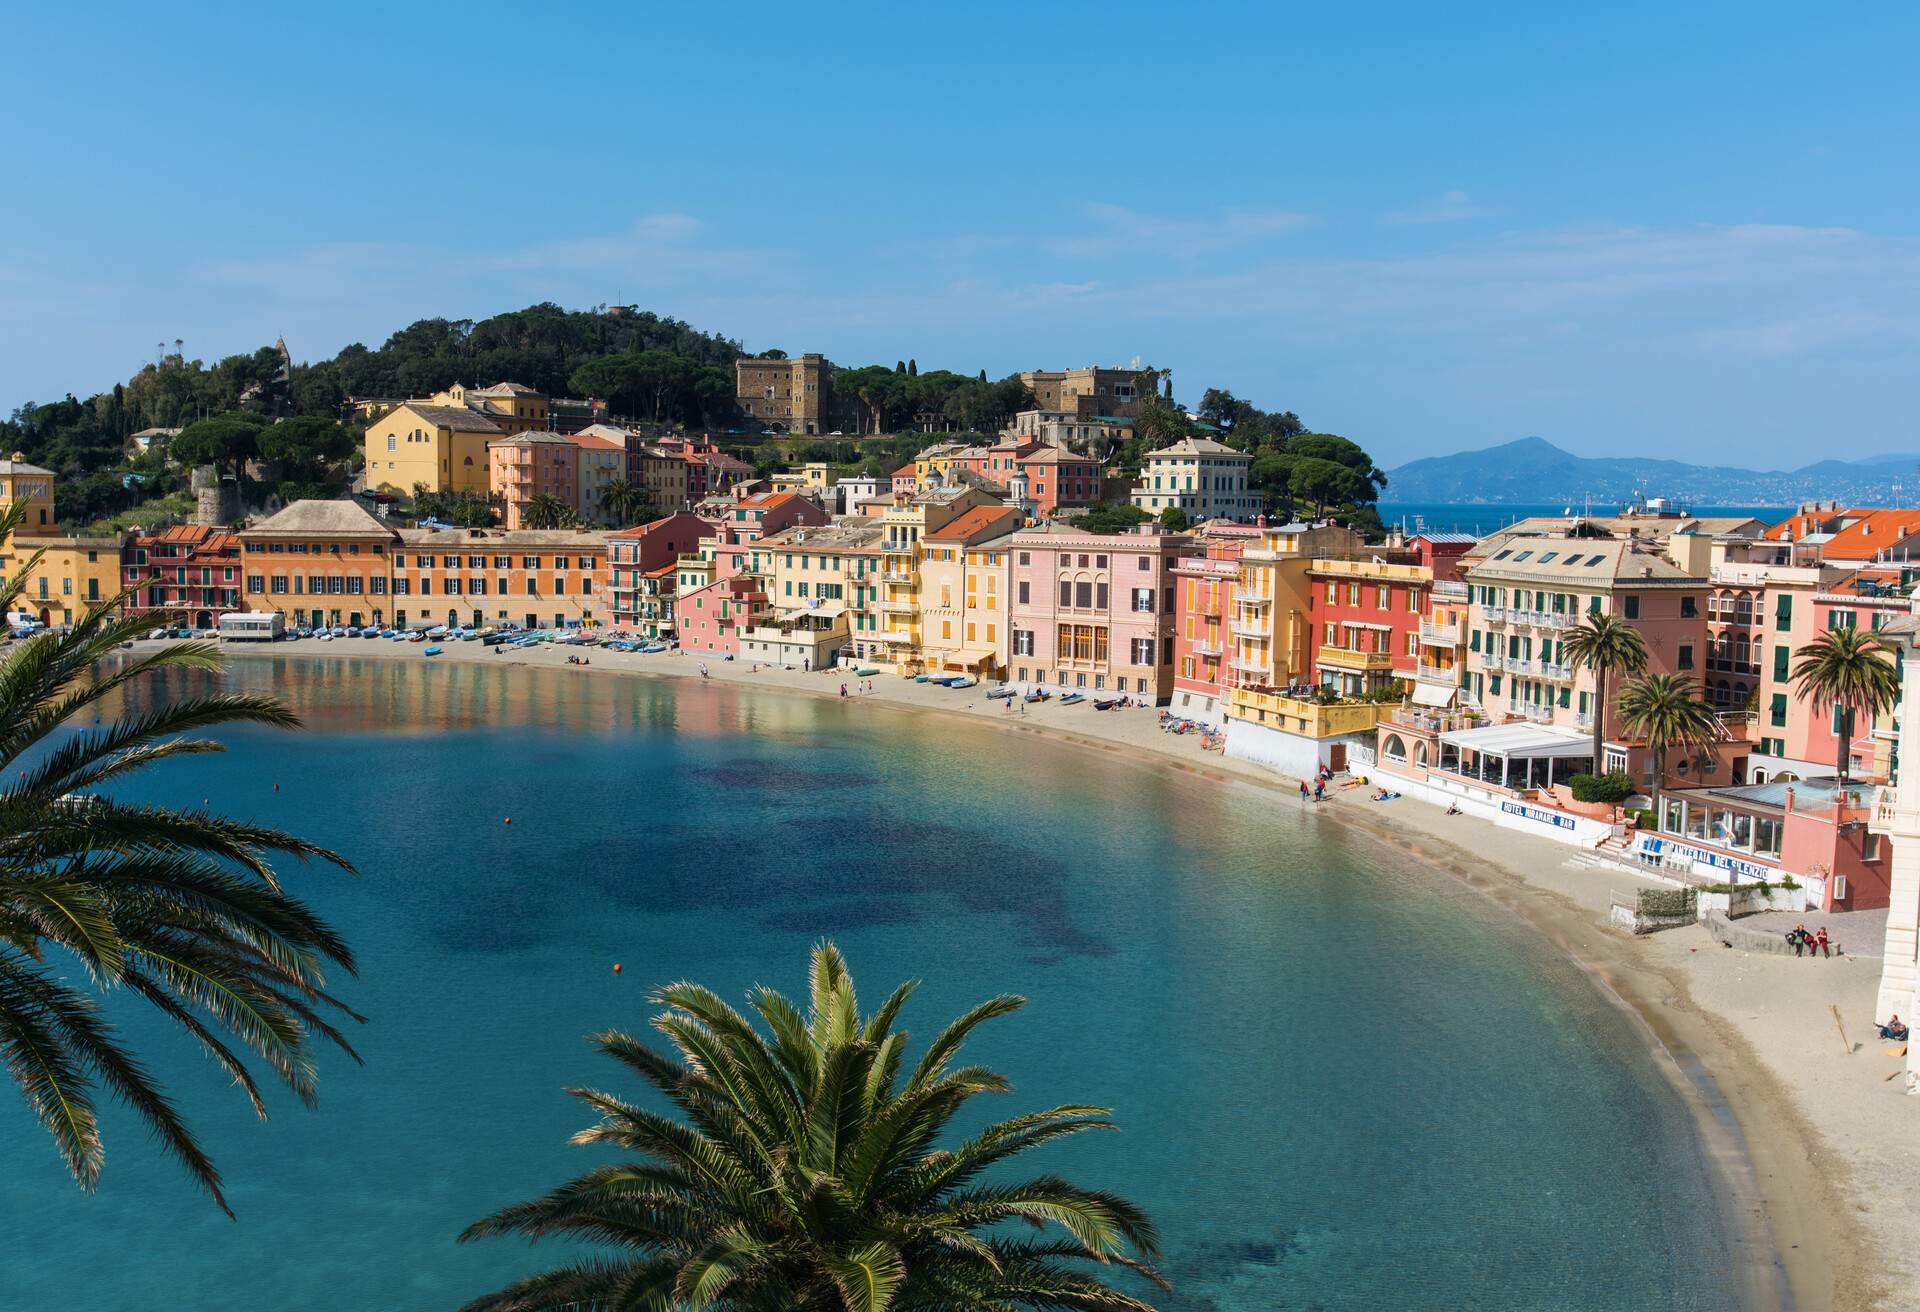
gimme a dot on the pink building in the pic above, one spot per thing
(767, 513)
(1094, 612)
(1807, 829)
(529, 465)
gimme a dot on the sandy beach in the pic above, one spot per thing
(1814, 1136)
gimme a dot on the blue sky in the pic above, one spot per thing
(1627, 230)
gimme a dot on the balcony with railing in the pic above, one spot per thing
(1437, 673)
(1246, 597)
(1441, 635)
(1517, 665)
(1246, 666)
(1555, 670)
(1249, 628)
(1539, 712)
(1206, 646)
(1493, 615)
(899, 605)
(1545, 619)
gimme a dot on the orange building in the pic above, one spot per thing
(319, 563)
(536, 578)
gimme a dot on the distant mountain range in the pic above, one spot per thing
(1534, 470)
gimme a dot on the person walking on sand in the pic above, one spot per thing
(1820, 941)
(1303, 792)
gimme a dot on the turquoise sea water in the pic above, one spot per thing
(1345, 1082)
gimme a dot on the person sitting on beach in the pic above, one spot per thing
(1895, 1028)
(1381, 794)
(1453, 808)
(1820, 941)
(1797, 937)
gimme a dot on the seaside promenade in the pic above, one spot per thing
(1814, 1130)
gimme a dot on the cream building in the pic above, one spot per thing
(1199, 476)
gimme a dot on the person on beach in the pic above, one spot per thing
(1793, 938)
(843, 692)
(1895, 1028)
(1820, 939)
(1303, 792)
(1453, 808)
(1319, 790)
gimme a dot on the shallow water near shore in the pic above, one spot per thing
(1343, 1081)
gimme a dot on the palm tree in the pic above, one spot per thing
(182, 909)
(1851, 670)
(1664, 710)
(546, 511)
(1607, 645)
(802, 1173)
(619, 499)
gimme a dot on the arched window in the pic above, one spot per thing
(1420, 754)
(1395, 749)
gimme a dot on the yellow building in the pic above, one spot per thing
(963, 591)
(20, 481)
(815, 476)
(443, 447)
(514, 407)
(1269, 610)
(74, 576)
(904, 527)
(931, 465)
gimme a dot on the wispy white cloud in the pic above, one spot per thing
(1119, 231)
(657, 249)
(1448, 207)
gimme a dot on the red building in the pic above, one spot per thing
(190, 569)
(1441, 553)
(1365, 620)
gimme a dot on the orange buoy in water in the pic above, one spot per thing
(509, 820)
(616, 968)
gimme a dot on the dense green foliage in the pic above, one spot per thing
(253, 408)
(179, 909)
(803, 1171)
(1615, 786)
(1108, 517)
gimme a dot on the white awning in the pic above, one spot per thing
(1433, 694)
(824, 612)
(1514, 740)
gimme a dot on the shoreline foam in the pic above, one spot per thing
(1784, 1187)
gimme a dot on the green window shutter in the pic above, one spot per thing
(1777, 712)
(1783, 613)
(1781, 656)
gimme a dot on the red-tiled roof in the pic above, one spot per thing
(1874, 531)
(971, 522)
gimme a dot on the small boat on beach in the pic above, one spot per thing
(998, 694)
(964, 681)
(866, 672)
(1106, 705)
(431, 651)
(1073, 697)
(1037, 695)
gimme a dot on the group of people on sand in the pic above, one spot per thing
(1895, 1028)
(1808, 944)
